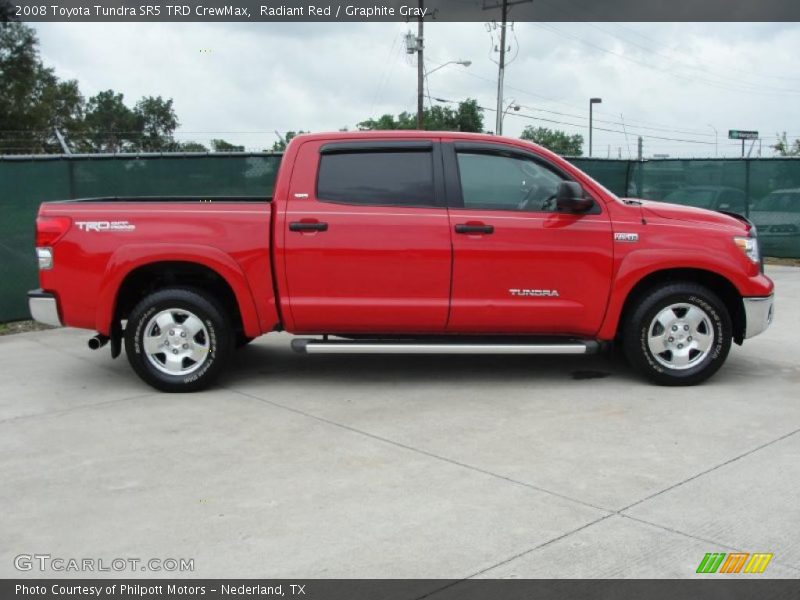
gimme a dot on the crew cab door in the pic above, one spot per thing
(366, 238)
(518, 265)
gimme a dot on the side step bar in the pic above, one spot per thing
(316, 346)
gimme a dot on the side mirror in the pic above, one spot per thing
(570, 198)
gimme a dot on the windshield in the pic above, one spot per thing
(701, 198)
(779, 202)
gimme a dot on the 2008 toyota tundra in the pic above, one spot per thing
(404, 242)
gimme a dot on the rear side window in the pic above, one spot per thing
(381, 178)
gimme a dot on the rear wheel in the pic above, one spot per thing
(679, 334)
(178, 340)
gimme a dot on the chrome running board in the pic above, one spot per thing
(316, 346)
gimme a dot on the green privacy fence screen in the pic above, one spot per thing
(26, 182)
(765, 190)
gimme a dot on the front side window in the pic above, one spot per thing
(500, 182)
(393, 178)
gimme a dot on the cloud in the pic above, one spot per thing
(242, 81)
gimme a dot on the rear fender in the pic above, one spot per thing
(129, 257)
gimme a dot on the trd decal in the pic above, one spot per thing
(105, 226)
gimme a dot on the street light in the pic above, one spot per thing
(463, 63)
(511, 105)
(592, 102)
(715, 138)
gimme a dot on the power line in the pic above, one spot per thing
(663, 129)
(584, 9)
(532, 94)
(533, 118)
(715, 84)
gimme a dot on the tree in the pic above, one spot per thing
(157, 122)
(783, 148)
(467, 117)
(386, 121)
(64, 106)
(32, 100)
(109, 125)
(280, 145)
(192, 147)
(223, 146)
(7, 11)
(555, 140)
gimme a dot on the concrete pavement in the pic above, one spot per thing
(387, 466)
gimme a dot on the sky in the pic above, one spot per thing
(681, 86)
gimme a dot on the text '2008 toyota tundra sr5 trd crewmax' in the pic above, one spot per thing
(404, 242)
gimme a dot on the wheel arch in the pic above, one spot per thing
(133, 273)
(721, 286)
(151, 277)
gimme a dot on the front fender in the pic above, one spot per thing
(638, 264)
(132, 256)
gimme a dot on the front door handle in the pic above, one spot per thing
(476, 228)
(308, 226)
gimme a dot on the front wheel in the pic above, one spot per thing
(679, 334)
(178, 340)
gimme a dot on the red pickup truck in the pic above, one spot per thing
(404, 242)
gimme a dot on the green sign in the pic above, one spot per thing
(738, 134)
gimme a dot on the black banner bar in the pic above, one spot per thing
(738, 588)
(402, 10)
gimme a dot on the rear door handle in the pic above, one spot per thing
(465, 228)
(308, 226)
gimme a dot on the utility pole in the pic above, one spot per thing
(420, 67)
(640, 148)
(501, 72)
(716, 153)
(592, 102)
(503, 6)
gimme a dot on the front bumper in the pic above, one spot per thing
(44, 307)
(758, 314)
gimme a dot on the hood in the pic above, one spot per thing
(679, 212)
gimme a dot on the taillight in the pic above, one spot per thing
(50, 229)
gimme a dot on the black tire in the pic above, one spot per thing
(640, 322)
(215, 340)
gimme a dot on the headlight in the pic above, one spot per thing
(749, 246)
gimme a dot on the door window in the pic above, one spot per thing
(501, 182)
(402, 178)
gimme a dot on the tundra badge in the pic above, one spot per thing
(526, 292)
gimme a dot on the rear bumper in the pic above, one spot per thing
(758, 314)
(44, 307)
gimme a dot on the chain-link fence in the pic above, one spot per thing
(765, 190)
